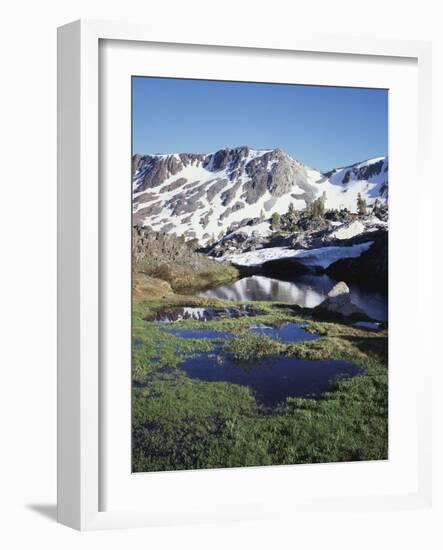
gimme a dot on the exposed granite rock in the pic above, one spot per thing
(339, 301)
(313, 224)
(174, 185)
(153, 170)
(150, 210)
(191, 185)
(145, 197)
(366, 172)
(217, 161)
(204, 220)
(347, 177)
(160, 170)
(360, 171)
(172, 259)
(184, 204)
(229, 195)
(215, 188)
(234, 178)
(234, 208)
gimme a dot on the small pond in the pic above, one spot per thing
(288, 333)
(274, 378)
(201, 333)
(178, 313)
(369, 325)
(302, 290)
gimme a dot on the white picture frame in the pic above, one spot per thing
(80, 261)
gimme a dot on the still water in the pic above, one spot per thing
(273, 379)
(305, 291)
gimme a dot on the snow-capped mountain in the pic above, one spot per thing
(203, 195)
(370, 178)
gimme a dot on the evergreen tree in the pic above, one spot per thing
(288, 221)
(317, 208)
(361, 205)
(275, 221)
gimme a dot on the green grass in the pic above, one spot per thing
(180, 423)
(248, 347)
(158, 351)
(181, 276)
(175, 421)
(205, 279)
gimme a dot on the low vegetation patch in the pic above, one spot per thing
(253, 347)
(183, 423)
(170, 259)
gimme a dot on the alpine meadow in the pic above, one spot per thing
(259, 274)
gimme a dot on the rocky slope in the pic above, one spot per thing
(354, 248)
(203, 196)
(170, 259)
(307, 233)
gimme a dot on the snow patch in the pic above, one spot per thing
(210, 219)
(259, 230)
(347, 231)
(316, 257)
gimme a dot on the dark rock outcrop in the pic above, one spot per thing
(370, 269)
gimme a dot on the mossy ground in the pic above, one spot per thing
(183, 423)
(182, 277)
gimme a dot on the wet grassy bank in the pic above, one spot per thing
(184, 423)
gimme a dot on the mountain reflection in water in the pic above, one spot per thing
(305, 291)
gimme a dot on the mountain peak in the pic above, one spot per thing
(203, 195)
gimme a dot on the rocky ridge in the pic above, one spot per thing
(206, 196)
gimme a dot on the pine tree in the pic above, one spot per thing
(317, 209)
(275, 221)
(361, 206)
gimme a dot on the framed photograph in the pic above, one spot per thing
(240, 236)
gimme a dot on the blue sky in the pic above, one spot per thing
(324, 127)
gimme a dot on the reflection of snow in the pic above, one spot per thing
(263, 288)
(321, 257)
(307, 291)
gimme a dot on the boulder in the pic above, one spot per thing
(339, 301)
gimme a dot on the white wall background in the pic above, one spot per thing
(28, 267)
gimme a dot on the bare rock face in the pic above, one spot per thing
(153, 170)
(339, 301)
(237, 183)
